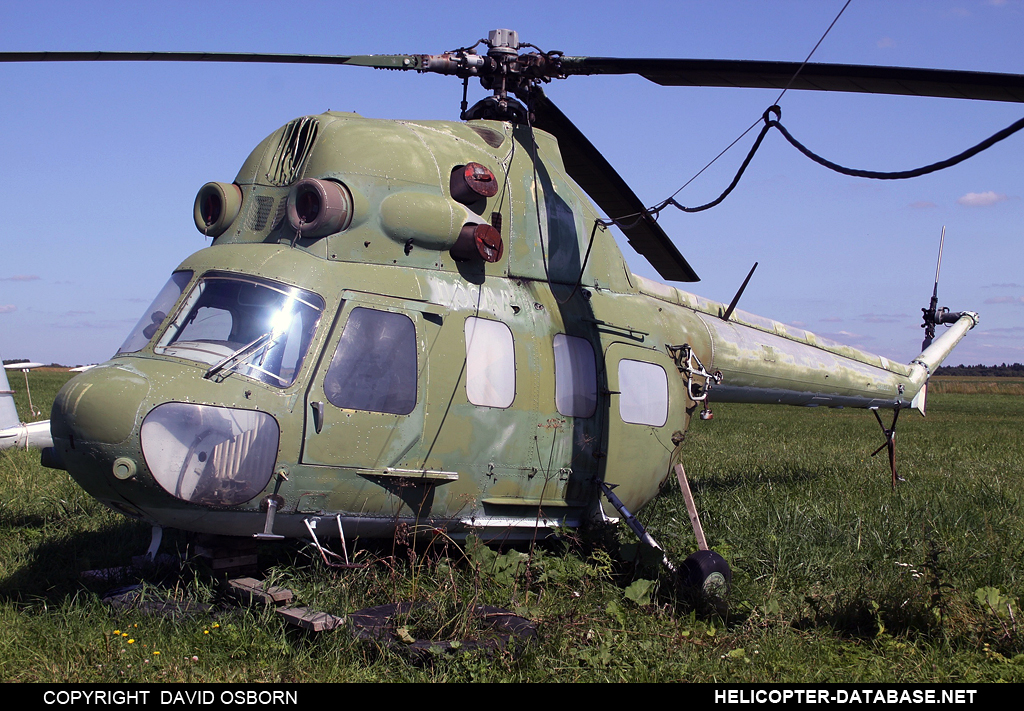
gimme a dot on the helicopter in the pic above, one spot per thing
(429, 322)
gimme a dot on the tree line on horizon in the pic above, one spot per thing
(1014, 370)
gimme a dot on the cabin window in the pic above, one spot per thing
(374, 367)
(643, 393)
(575, 376)
(156, 314)
(490, 363)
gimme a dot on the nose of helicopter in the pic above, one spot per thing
(99, 406)
(92, 421)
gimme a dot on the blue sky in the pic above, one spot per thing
(101, 162)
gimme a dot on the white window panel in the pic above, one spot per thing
(490, 363)
(643, 388)
(575, 376)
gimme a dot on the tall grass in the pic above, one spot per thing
(836, 576)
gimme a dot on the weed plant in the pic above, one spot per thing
(836, 576)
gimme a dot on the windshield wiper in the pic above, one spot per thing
(265, 341)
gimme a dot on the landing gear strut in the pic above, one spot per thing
(705, 571)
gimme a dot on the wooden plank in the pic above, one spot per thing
(691, 508)
(310, 619)
(253, 590)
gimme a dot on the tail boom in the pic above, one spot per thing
(800, 368)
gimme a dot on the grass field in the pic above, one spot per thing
(972, 385)
(836, 577)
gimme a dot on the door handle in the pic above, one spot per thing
(318, 415)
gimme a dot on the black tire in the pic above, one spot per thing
(707, 573)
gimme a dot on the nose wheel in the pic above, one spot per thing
(706, 572)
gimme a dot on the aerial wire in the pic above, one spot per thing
(770, 123)
(777, 100)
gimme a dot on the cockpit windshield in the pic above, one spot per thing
(252, 326)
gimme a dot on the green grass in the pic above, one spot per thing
(974, 385)
(836, 577)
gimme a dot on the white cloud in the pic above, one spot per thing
(886, 42)
(884, 318)
(21, 277)
(7, 308)
(981, 199)
(1005, 300)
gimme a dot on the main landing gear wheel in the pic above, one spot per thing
(707, 573)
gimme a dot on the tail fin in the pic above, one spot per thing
(8, 411)
(12, 432)
(932, 356)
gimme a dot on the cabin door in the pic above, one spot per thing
(645, 399)
(364, 409)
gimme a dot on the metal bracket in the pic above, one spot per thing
(890, 442)
(272, 503)
(689, 365)
(154, 542)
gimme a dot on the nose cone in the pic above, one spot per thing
(100, 406)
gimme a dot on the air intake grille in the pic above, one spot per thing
(259, 211)
(297, 139)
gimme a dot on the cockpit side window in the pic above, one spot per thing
(374, 367)
(156, 314)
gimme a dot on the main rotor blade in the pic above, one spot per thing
(380, 61)
(820, 77)
(598, 178)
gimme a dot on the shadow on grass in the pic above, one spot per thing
(51, 570)
(783, 475)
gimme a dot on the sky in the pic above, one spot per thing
(101, 162)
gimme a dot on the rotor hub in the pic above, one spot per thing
(503, 71)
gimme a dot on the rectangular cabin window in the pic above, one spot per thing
(490, 363)
(374, 367)
(643, 388)
(575, 376)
